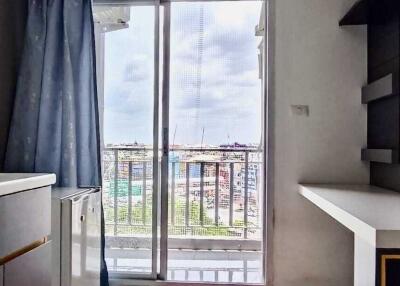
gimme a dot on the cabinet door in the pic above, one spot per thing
(24, 218)
(30, 269)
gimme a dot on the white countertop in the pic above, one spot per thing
(17, 182)
(369, 211)
(377, 207)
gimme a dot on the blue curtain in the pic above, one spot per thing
(55, 124)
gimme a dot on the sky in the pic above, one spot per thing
(214, 75)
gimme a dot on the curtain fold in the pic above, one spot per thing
(55, 122)
(53, 127)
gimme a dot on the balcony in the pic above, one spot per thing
(215, 225)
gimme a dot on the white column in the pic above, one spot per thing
(364, 259)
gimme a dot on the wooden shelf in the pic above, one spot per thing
(357, 15)
(388, 156)
(381, 88)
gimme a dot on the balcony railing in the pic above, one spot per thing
(214, 193)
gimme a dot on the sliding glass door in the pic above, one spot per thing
(182, 111)
(127, 58)
(215, 142)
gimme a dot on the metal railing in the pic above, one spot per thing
(213, 192)
(224, 267)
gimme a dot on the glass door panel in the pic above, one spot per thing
(200, 143)
(126, 62)
(215, 142)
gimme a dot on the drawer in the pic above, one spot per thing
(25, 217)
(30, 269)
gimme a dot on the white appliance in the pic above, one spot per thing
(76, 235)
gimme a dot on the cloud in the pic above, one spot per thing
(126, 128)
(137, 69)
(229, 98)
(230, 87)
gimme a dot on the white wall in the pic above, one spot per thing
(321, 65)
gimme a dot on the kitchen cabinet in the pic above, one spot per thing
(30, 269)
(24, 218)
(25, 223)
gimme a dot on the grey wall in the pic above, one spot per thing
(321, 65)
(12, 26)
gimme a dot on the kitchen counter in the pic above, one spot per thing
(16, 182)
(25, 223)
(370, 212)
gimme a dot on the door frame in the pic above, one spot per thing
(160, 175)
(165, 143)
(99, 35)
